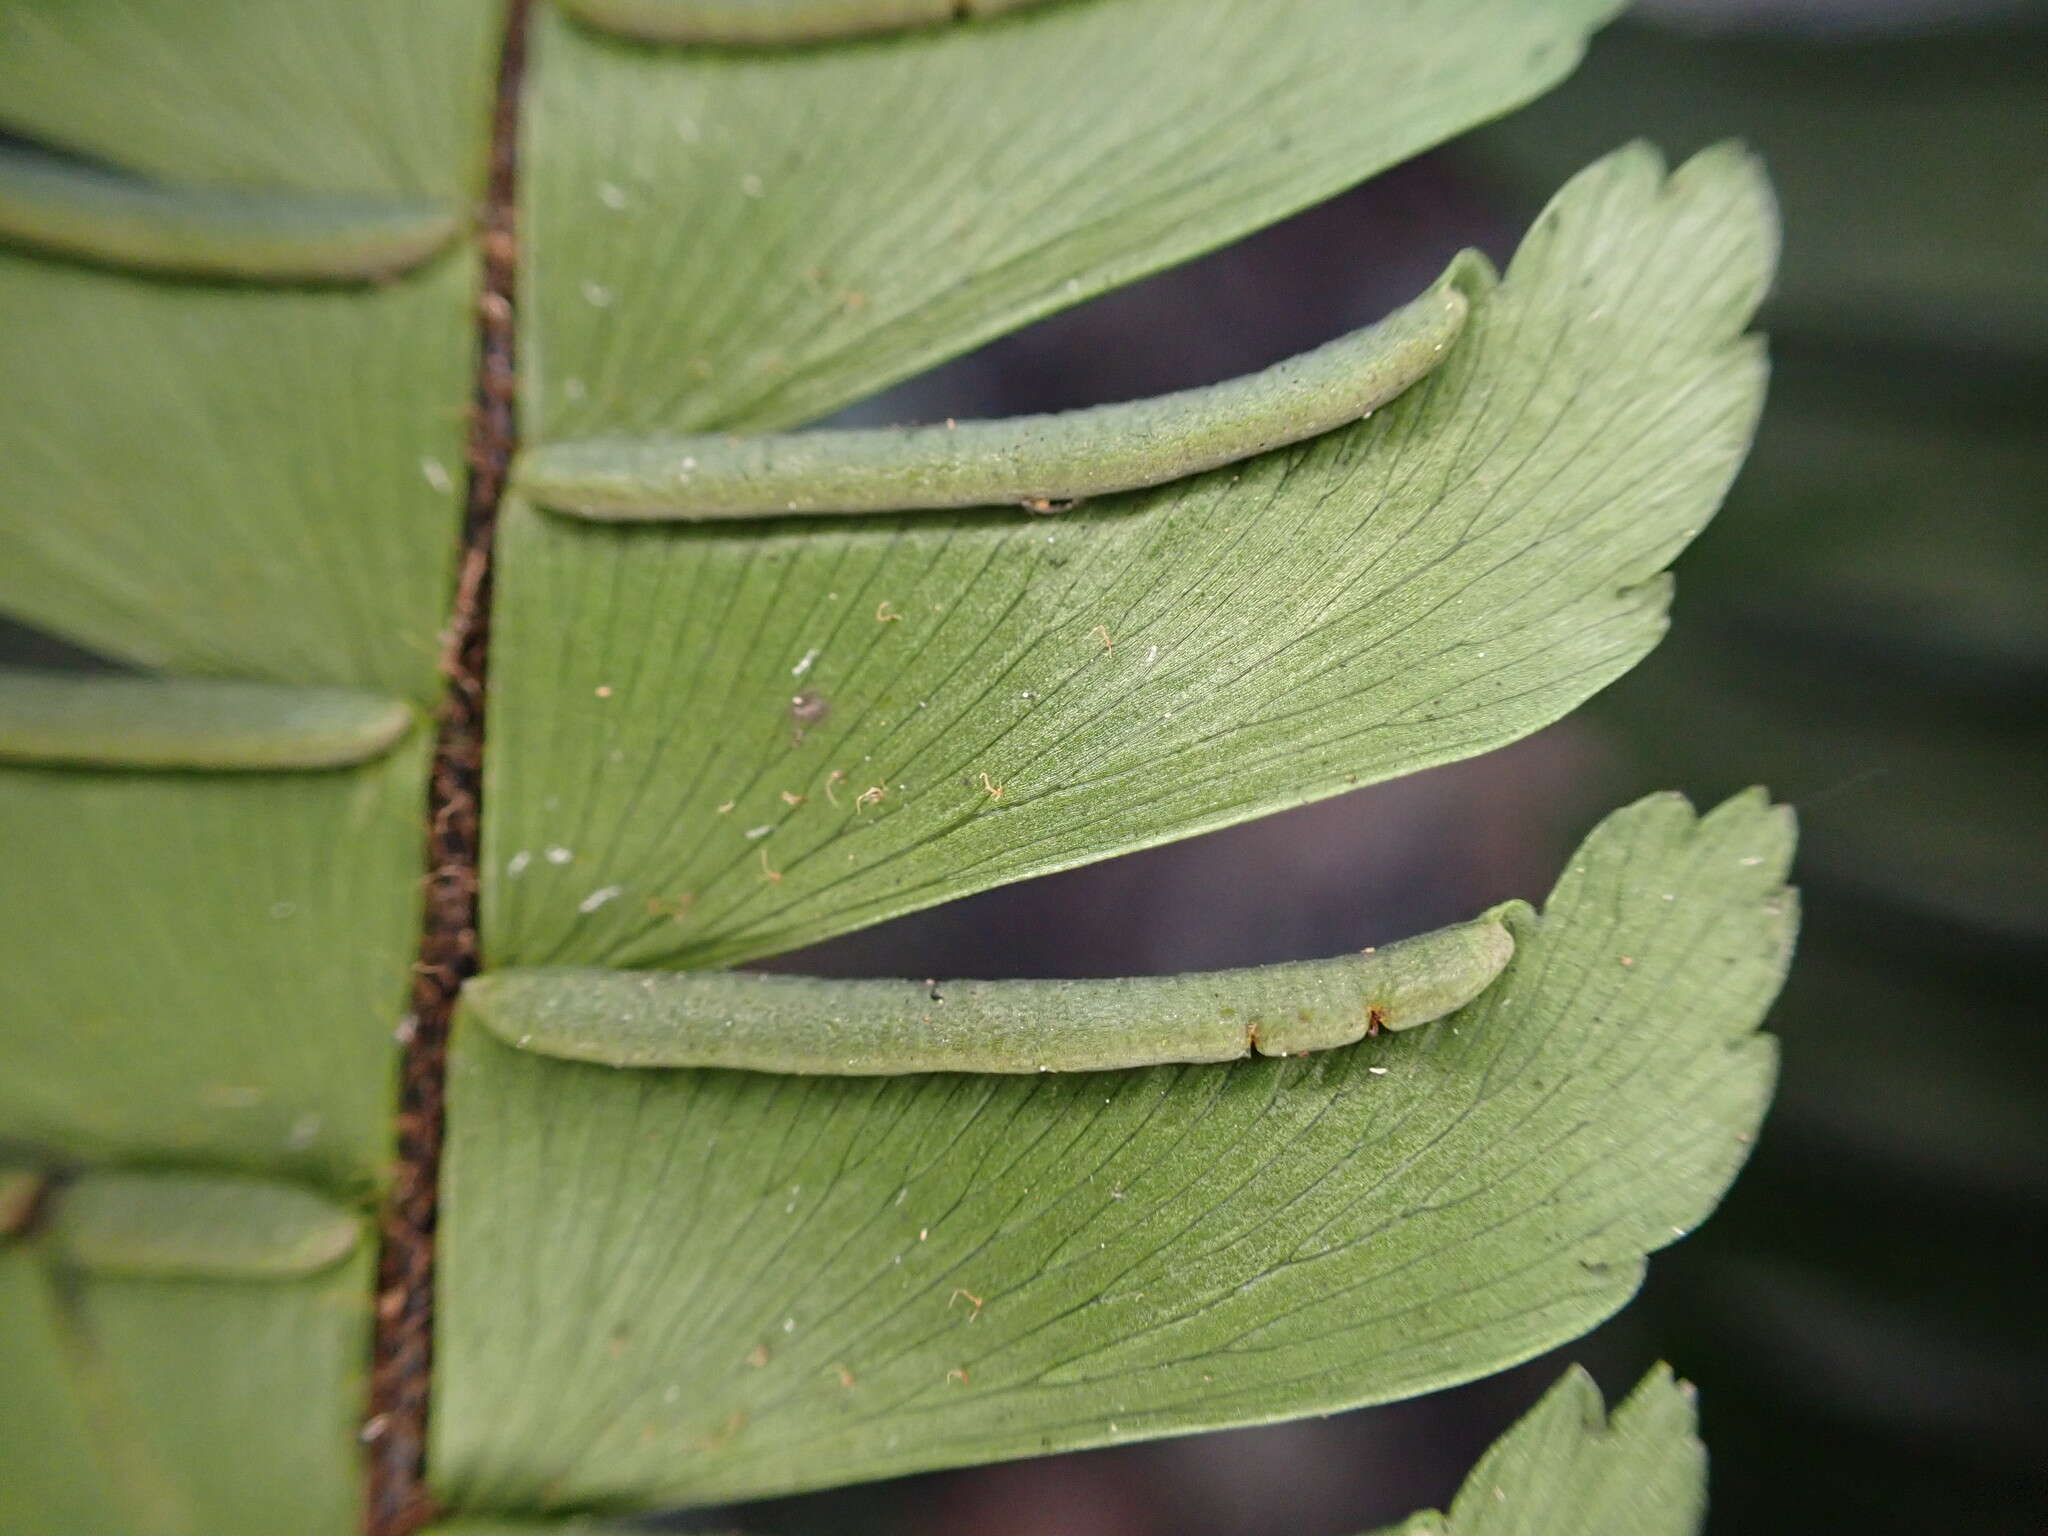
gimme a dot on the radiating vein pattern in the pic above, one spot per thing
(1568, 1468)
(1043, 463)
(725, 239)
(90, 213)
(728, 1284)
(713, 743)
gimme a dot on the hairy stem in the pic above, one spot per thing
(398, 1502)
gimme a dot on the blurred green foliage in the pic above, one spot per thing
(1864, 629)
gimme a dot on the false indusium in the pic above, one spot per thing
(109, 218)
(1043, 463)
(816, 1027)
(758, 23)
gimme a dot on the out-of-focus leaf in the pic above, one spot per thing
(92, 719)
(1880, 1353)
(1895, 517)
(184, 1226)
(179, 1407)
(51, 1477)
(208, 968)
(239, 481)
(729, 1284)
(1935, 813)
(1967, 1120)
(712, 743)
(63, 207)
(1906, 165)
(1566, 1469)
(724, 239)
(367, 96)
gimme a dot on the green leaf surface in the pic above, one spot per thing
(203, 968)
(1566, 1469)
(51, 1474)
(734, 1284)
(91, 719)
(83, 211)
(726, 239)
(135, 1407)
(236, 481)
(756, 737)
(198, 1226)
(368, 96)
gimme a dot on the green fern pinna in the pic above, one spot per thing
(301, 1234)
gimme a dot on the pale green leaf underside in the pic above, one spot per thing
(1567, 1469)
(715, 239)
(84, 212)
(385, 96)
(732, 1284)
(236, 481)
(112, 721)
(1032, 461)
(180, 1407)
(779, 732)
(172, 1226)
(1564, 1469)
(209, 968)
(772, 1023)
(1949, 817)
